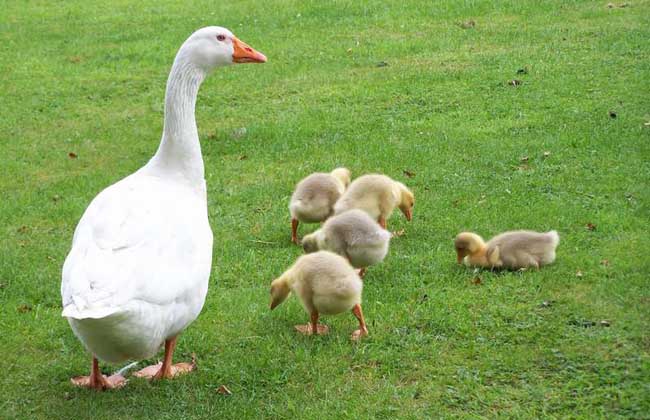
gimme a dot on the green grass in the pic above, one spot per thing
(89, 79)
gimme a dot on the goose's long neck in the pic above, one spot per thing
(179, 153)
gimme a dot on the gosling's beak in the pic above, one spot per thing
(408, 213)
(245, 54)
(274, 303)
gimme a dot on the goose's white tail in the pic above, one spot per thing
(555, 237)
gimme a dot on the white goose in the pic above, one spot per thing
(138, 270)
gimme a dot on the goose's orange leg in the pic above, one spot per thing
(313, 327)
(294, 231)
(363, 330)
(165, 369)
(97, 381)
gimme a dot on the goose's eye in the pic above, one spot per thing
(221, 37)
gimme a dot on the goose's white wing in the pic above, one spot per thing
(141, 241)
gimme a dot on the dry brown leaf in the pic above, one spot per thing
(546, 154)
(590, 226)
(22, 229)
(223, 390)
(408, 173)
(524, 159)
(398, 233)
(477, 280)
(238, 133)
(578, 273)
(242, 157)
(605, 263)
(72, 155)
(605, 323)
(515, 82)
(468, 24)
(24, 308)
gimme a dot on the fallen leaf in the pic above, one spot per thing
(468, 24)
(408, 173)
(349, 50)
(647, 124)
(523, 70)
(477, 280)
(523, 167)
(22, 229)
(578, 273)
(585, 323)
(515, 82)
(605, 263)
(223, 390)
(590, 226)
(546, 154)
(238, 133)
(56, 197)
(24, 308)
(74, 59)
(50, 258)
(547, 304)
(612, 114)
(604, 323)
(72, 155)
(382, 64)
(398, 233)
(610, 5)
(242, 157)
(524, 159)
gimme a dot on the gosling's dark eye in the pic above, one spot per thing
(221, 37)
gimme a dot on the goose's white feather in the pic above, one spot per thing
(138, 270)
(139, 267)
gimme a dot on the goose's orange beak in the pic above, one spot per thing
(408, 213)
(245, 54)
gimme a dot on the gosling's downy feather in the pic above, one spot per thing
(352, 234)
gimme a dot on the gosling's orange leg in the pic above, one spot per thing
(166, 370)
(313, 327)
(382, 221)
(294, 231)
(363, 330)
(97, 381)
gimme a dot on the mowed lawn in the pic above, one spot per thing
(411, 89)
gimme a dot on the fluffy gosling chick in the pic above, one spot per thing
(511, 250)
(314, 197)
(354, 235)
(377, 195)
(326, 284)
